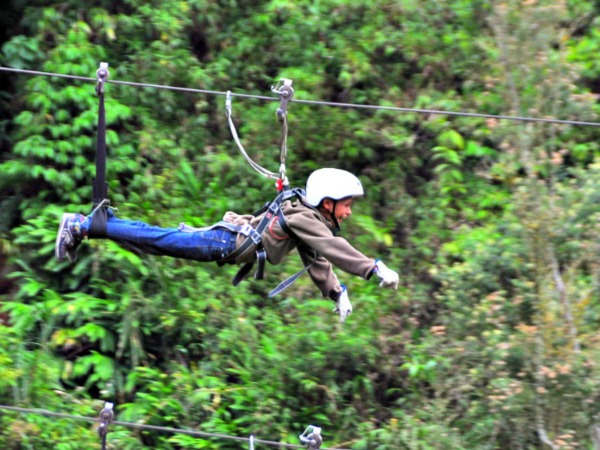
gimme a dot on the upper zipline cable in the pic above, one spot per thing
(317, 102)
(141, 426)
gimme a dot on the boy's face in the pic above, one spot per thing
(341, 210)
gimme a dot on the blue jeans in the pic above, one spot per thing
(205, 245)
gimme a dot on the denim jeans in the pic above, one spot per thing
(204, 245)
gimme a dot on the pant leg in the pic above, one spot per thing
(206, 245)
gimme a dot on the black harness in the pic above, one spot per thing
(254, 239)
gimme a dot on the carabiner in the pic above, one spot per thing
(286, 93)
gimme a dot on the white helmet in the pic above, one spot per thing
(331, 183)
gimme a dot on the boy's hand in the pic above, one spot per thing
(343, 306)
(388, 277)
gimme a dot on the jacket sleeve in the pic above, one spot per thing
(321, 274)
(337, 250)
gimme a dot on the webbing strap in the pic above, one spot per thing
(100, 187)
(100, 191)
(242, 273)
(253, 239)
(256, 239)
(261, 258)
(245, 230)
(285, 227)
(273, 209)
(289, 281)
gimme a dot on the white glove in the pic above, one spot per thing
(343, 306)
(388, 277)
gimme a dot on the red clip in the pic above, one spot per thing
(279, 185)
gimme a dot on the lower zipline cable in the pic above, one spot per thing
(140, 426)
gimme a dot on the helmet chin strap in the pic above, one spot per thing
(331, 213)
(335, 221)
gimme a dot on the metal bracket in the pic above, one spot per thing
(228, 103)
(101, 76)
(106, 416)
(311, 437)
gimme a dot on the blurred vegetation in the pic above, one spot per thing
(491, 341)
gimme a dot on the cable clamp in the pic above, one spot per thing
(101, 77)
(106, 416)
(228, 103)
(311, 437)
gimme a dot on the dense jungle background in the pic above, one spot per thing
(491, 341)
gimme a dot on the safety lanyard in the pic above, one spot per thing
(100, 191)
(286, 93)
(100, 187)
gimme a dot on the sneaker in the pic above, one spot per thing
(69, 237)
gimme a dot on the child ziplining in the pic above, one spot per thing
(307, 221)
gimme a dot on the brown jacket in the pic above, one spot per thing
(315, 232)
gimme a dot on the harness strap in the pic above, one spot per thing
(261, 255)
(261, 258)
(290, 280)
(245, 230)
(252, 239)
(285, 227)
(100, 187)
(255, 239)
(100, 190)
(242, 273)
(98, 222)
